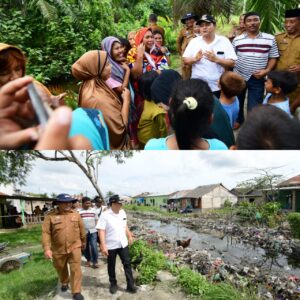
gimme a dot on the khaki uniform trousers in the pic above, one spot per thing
(186, 71)
(61, 261)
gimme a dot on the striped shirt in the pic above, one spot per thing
(89, 218)
(253, 53)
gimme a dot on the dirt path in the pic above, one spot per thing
(95, 286)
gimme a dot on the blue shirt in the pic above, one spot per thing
(90, 123)
(161, 144)
(284, 105)
(232, 110)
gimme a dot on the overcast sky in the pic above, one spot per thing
(161, 171)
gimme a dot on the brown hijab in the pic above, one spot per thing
(95, 93)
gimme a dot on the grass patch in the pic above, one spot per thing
(152, 209)
(36, 278)
(29, 236)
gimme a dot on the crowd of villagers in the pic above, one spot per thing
(131, 98)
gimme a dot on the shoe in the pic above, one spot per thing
(78, 296)
(131, 290)
(87, 264)
(64, 287)
(113, 288)
(95, 266)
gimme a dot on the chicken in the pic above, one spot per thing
(184, 244)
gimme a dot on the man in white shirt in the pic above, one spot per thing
(113, 232)
(90, 219)
(209, 54)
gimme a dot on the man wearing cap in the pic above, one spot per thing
(289, 48)
(257, 54)
(63, 237)
(209, 54)
(185, 36)
(113, 232)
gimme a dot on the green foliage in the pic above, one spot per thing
(227, 203)
(246, 211)
(222, 291)
(15, 166)
(148, 261)
(170, 33)
(192, 282)
(294, 220)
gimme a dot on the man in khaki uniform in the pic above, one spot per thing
(289, 47)
(63, 237)
(184, 37)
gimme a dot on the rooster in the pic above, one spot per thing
(184, 244)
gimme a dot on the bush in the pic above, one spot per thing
(227, 203)
(192, 282)
(147, 261)
(294, 220)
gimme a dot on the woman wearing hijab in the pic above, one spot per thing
(143, 58)
(120, 71)
(93, 68)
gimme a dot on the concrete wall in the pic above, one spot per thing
(217, 197)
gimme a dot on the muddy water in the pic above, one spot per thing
(230, 251)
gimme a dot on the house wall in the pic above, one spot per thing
(216, 198)
(156, 200)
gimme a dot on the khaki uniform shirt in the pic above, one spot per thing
(289, 49)
(63, 232)
(183, 39)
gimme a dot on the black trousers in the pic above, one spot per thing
(111, 265)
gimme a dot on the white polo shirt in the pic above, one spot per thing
(115, 228)
(205, 69)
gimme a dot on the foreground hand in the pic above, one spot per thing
(130, 240)
(56, 133)
(16, 113)
(48, 254)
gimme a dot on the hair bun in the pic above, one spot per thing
(191, 103)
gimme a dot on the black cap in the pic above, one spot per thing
(292, 13)
(115, 199)
(64, 198)
(207, 19)
(189, 16)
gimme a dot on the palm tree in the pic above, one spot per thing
(47, 8)
(272, 12)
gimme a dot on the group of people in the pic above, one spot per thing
(130, 98)
(67, 233)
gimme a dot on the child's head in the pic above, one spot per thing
(130, 37)
(162, 86)
(126, 45)
(191, 109)
(269, 128)
(281, 82)
(145, 83)
(231, 84)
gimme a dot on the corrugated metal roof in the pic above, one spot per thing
(179, 194)
(202, 190)
(294, 181)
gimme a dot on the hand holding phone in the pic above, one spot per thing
(41, 108)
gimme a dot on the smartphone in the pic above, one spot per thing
(41, 108)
